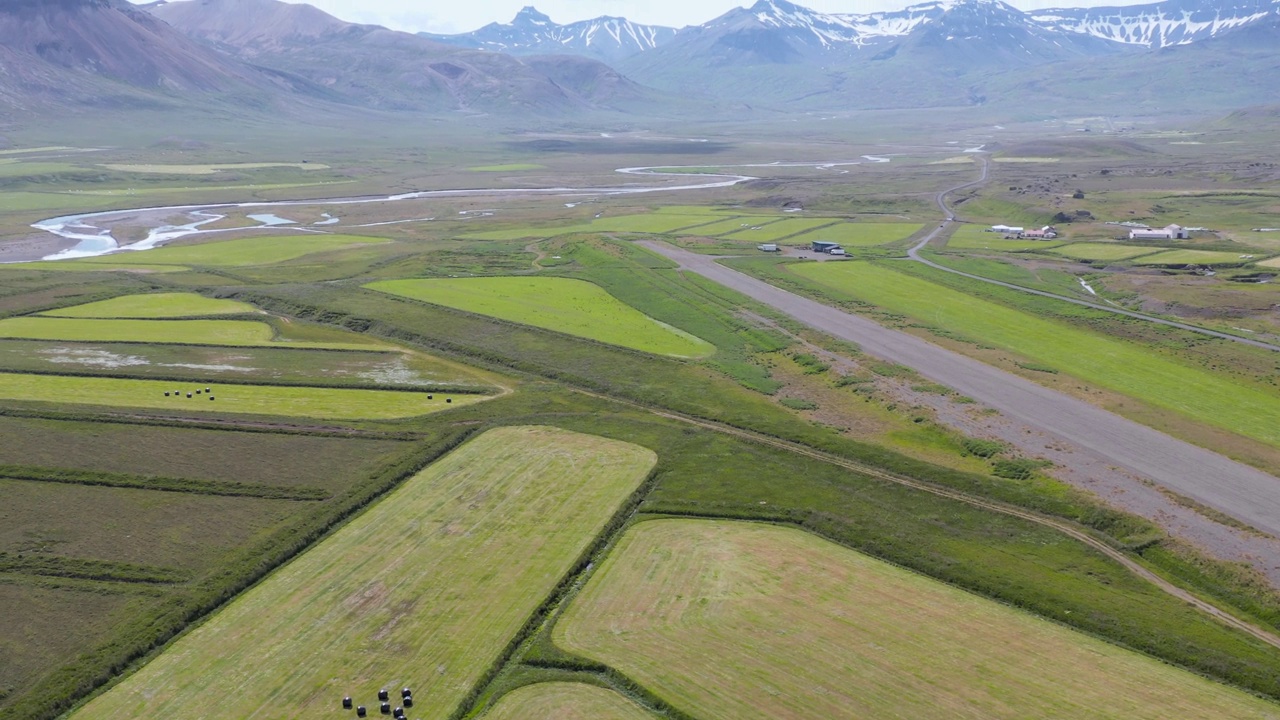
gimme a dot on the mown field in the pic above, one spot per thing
(1196, 257)
(860, 234)
(233, 333)
(976, 237)
(1108, 362)
(561, 304)
(422, 590)
(800, 627)
(565, 701)
(155, 305)
(780, 229)
(278, 400)
(221, 253)
(1104, 251)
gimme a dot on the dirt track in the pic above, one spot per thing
(1238, 490)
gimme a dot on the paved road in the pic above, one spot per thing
(941, 200)
(1238, 490)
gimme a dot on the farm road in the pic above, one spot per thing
(1236, 489)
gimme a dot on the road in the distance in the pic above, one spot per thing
(1236, 489)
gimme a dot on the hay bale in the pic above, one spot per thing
(383, 694)
(346, 703)
(210, 397)
(385, 708)
(361, 712)
(405, 692)
(408, 701)
(448, 400)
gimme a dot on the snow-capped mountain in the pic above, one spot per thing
(1173, 22)
(533, 33)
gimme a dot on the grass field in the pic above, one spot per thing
(860, 234)
(154, 305)
(654, 223)
(574, 307)
(510, 167)
(227, 253)
(315, 402)
(424, 589)
(242, 333)
(1103, 251)
(713, 227)
(1109, 362)
(565, 701)
(1195, 257)
(800, 627)
(210, 169)
(976, 237)
(780, 229)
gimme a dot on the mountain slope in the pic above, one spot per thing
(1156, 25)
(379, 68)
(533, 33)
(75, 53)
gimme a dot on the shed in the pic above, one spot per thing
(768, 247)
(823, 246)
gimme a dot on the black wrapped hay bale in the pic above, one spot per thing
(405, 692)
(408, 701)
(385, 708)
(398, 712)
(361, 712)
(383, 694)
(346, 703)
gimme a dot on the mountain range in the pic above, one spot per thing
(276, 57)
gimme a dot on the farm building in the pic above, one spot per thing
(829, 248)
(1172, 232)
(1045, 233)
(768, 247)
(1008, 229)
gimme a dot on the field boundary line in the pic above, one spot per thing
(1061, 526)
(949, 217)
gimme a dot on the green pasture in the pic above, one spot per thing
(33, 201)
(423, 590)
(228, 253)
(652, 223)
(574, 307)
(243, 333)
(780, 229)
(1108, 362)
(210, 169)
(860, 234)
(565, 701)
(292, 401)
(743, 223)
(735, 619)
(155, 305)
(1043, 278)
(24, 169)
(1103, 251)
(976, 237)
(1195, 257)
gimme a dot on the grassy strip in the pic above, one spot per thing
(84, 569)
(59, 691)
(440, 389)
(152, 482)
(153, 306)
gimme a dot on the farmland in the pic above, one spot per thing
(210, 169)
(801, 627)
(228, 253)
(1104, 251)
(561, 304)
(1108, 362)
(1195, 257)
(155, 305)
(860, 234)
(236, 333)
(315, 402)
(422, 590)
(565, 701)
(975, 237)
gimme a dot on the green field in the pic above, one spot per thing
(1195, 257)
(424, 589)
(510, 167)
(713, 227)
(317, 402)
(226, 253)
(861, 234)
(211, 169)
(1103, 251)
(565, 701)
(976, 237)
(652, 223)
(1109, 362)
(244, 333)
(574, 307)
(735, 619)
(780, 229)
(155, 305)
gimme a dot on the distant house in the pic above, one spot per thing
(1171, 232)
(1045, 233)
(1007, 229)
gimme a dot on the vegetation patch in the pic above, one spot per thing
(1196, 257)
(278, 400)
(423, 590)
(228, 253)
(574, 307)
(565, 701)
(798, 403)
(801, 627)
(1104, 251)
(155, 305)
(861, 234)
(210, 169)
(780, 229)
(509, 167)
(244, 333)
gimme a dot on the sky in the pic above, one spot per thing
(445, 16)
